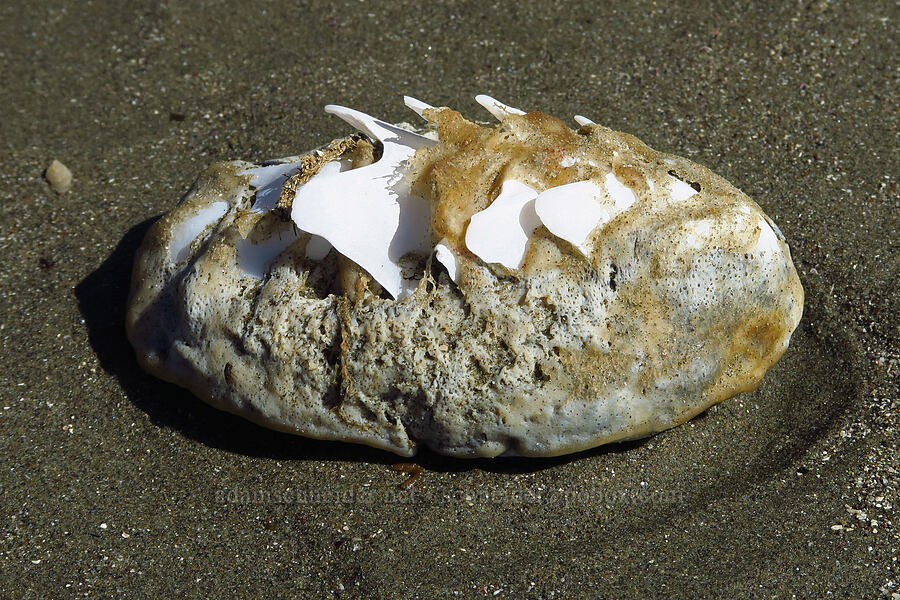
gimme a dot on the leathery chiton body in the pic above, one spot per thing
(522, 288)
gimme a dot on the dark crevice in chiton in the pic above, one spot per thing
(332, 396)
(333, 351)
(693, 184)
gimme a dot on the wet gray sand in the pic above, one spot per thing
(113, 481)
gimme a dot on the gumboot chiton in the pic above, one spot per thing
(522, 288)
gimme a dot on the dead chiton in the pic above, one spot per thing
(522, 288)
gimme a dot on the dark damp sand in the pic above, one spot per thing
(116, 483)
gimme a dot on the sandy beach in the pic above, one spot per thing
(117, 484)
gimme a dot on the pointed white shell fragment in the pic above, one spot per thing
(268, 181)
(767, 243)
(317, 247)
(500, 233)
(417, 106)
(583, 120)
(187, 231)
(499, 110)
(256, 258)
(388, 134)
(447, 257)
(266, 174)
(680, 190)
(334, 167)
(268, 195)
(368, 214)
(619, 192)
(573, 211)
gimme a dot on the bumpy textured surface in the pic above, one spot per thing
(681, 300)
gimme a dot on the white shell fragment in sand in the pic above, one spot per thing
(520, 288)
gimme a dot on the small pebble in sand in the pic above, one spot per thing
(59, 177)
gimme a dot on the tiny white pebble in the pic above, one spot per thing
(59, 177)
